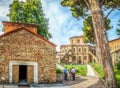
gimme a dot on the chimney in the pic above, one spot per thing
(9, 26)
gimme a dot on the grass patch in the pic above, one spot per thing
(117, 74)
(98, 68)
(80, 69)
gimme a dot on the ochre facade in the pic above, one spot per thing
(23, 52)
(77, 52)
(80, 52)
(115, 50)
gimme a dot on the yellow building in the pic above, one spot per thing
(77, 52)
(115, 50)
(80, 52)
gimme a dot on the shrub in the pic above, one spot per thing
(58, 71)
(118, 66)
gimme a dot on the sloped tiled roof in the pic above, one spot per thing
(114, 40)
(77, 36)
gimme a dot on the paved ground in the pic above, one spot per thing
(90, 81)
(90, 71)
(80, 82)
(83, 82)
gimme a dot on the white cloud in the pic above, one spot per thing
(62, 25)
(1, 33)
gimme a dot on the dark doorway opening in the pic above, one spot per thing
(79, 61)
(23, 73)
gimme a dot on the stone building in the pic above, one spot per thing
(24, 55)
(77, 52)
(115, 50)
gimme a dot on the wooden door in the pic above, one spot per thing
(15, 71)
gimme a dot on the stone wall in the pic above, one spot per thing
(23, 45)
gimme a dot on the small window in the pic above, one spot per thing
(79, 49)
(84, 49)
(85, 57)
(73, 49)
(78, 41)
(74, 57)
(72, 41)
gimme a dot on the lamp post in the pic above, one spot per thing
(3, 79)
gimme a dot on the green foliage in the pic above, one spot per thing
(30, 12)
(79, 8)
(58, 70)
(80, 69)
(117, 74)
(118, 65)
(118, 30)
(98, 68)
(88, 30)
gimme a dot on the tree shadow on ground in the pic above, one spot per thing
(78, 79)
(97, 85)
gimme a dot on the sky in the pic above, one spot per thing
(62, 25)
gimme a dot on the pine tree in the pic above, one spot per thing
(81, 8)
(88, 30)
(118, 30)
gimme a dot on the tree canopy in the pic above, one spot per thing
(79, 8)
(88, 30)
(118, 29)
(30, 12)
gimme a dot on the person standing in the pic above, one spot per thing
(65, 73)
(73, 73)
(70, 73)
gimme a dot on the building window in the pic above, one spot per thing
(79, 50)
(73, 49)
(79, 59)
(84, 49)
(72, 41)
(85, 57)
(78, 41)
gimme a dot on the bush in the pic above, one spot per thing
(118, 66)
(117, 74)
(58, 71)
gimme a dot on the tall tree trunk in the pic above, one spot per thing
(102, 42)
